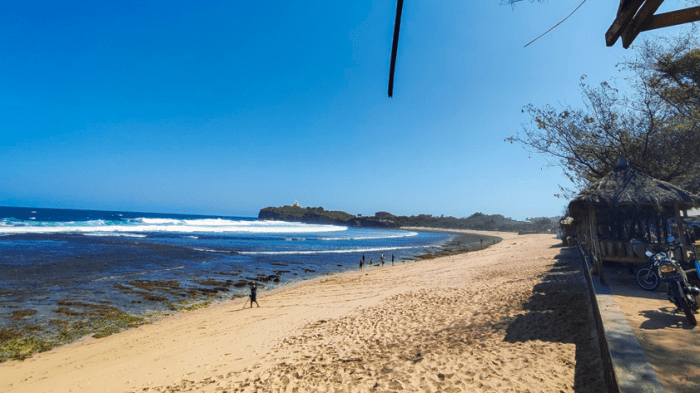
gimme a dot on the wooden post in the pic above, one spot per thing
(595, 243)
(395, 46)
(645, 12)
(681, 232)
(673, 18)
(664, 229)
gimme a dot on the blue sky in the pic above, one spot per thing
(225, 107)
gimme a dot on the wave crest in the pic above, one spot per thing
(167, 225)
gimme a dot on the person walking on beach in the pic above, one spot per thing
(392, 258)
(361, 263)
(381, 259)
(363, 258)
(253, 295)
(371, 261)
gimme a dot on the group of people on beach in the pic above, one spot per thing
(371, 260)
(254, 289)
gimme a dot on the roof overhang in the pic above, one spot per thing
(636, 16)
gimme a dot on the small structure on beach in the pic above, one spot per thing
(625, 213)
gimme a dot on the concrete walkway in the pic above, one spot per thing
(670, 342)
(628, 368)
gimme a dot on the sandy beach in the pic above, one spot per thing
(513, 317)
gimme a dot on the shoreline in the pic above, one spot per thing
(503, 235)
(105, 319)
(318, 328)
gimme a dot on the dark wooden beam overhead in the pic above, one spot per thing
(674, 18)
(395, 46)
(636, 16)
(644, 15)
(625, 13)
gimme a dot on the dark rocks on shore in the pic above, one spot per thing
(241, 283)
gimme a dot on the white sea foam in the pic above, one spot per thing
(138, 274)
(344, 251)
(219, 251)
(167, 225)
(408, 234)
(158, 221)
(114, 234)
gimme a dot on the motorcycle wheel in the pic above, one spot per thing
(688, 312)
(648, 279)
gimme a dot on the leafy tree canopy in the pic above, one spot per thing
(655, 126)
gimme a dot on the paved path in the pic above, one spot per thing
(669, 341)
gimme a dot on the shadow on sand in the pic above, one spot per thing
(559, 310)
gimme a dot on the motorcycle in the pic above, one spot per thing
(665, 269)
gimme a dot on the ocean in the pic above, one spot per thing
(57, 266)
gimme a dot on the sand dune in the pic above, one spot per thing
(514, 317)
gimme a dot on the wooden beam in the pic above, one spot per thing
(680, 224)
(395, 46)
(673, 18)
(595, 243)
(625, 13)
(639, 21)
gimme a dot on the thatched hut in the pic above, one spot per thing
(624, 214)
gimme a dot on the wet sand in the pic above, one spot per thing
(513, 317)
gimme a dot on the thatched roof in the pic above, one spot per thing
(627, 186)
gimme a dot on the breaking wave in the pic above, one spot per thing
(11, 226)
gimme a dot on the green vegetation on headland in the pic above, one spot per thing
(477, 221)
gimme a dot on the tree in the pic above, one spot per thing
(656, 127)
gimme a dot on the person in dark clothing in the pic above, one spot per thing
(361, 263)
(253, 294)
(363, 259)
(392, 258)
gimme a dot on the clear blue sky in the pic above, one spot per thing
(225, 107)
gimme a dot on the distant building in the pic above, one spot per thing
(296, 203)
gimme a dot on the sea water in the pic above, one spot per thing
(49, 256)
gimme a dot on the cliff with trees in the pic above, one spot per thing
(477, 221)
